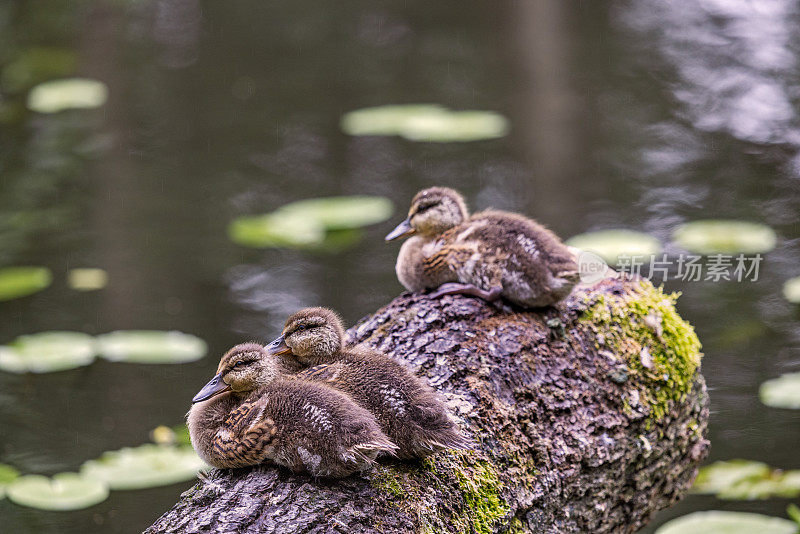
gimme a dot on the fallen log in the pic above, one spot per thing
(587, 417)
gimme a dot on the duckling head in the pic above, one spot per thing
(310, 337)
(242, 370)
(433, 211)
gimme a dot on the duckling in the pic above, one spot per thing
(407, 409)
(489, 254)
(249, 413)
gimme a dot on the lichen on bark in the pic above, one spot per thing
(572, 432)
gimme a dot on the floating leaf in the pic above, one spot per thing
(7, 475)
(339, 213)
(87, 279)
(176, 435)
(425, 122)
(65, 491)
(455, 126)
(70, 93)
(611, 244)
(272, 231)
(322, 224)
(791, 290)
(386, 120)
(18, 282)
(719, 476)
(47, 352)
(725, 237)
(719, 522)
(783, 392)
(146, 466)
(746, 480)
(150, 346)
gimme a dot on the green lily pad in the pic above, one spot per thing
(746, 480)
(18, 282)
(783, 392)
(150, 346)
(611, 244)
(321, 224)
(272, 231)
(65, 491)
(386, 120)
(791, 290)
(176, 435)
(146, 466)
(425, 122)
(47, 352)
(340, 213)
(455, 126)
(720, 476)
(725, 237)
(70, 93)
(87, 279)
(719, 522)
(7, 475)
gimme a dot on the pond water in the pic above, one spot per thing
(639, 115)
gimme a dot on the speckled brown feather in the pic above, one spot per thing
(491, 250)
(304, 426)
(407, 409)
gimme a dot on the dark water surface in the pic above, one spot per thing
(623, 114)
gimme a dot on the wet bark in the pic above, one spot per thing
(563, 445)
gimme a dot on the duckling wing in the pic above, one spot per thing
(244, 437)
(325, 372)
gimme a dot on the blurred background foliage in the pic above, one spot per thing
(636, 115)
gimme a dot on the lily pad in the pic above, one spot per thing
(273, 231)
(746, 480)
(611, 244)
(783, 392)
(87, 279)
(176, 435)
(720, 522)
(324, 224)
(150, 346)
(386, 120)
(725, 237)
(791, 290)
(7, 475)
(425, 122)
(340, 213)
(18, 282)
(720, 476)
(146, 466)
(70, 93)
(47, 352)
(65, 491)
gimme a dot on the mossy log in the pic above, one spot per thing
(588, 417)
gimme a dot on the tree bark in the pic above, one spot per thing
(577, 424)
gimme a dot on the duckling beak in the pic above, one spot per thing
(215, 386)
(403, 229)
(278, 347)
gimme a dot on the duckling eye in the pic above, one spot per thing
(425, 207)
(240, 363)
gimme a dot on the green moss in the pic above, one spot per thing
(480, 486)
(644, 322)
(387, 480)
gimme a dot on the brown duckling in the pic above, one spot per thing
(250, 414)
(408, 410)
(489, 254)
